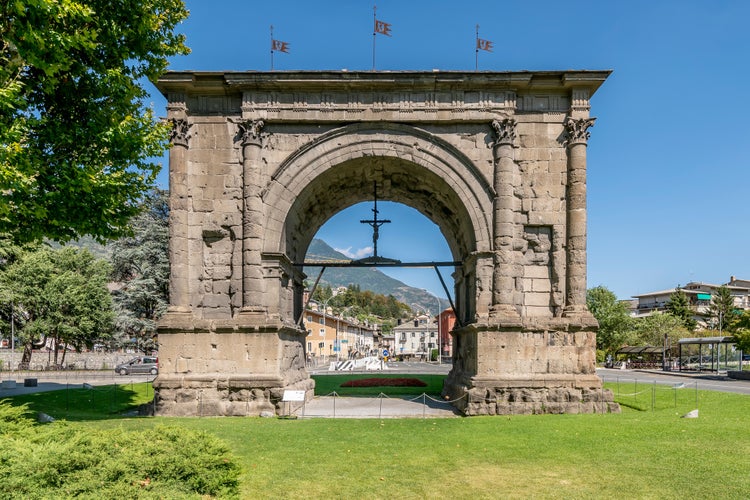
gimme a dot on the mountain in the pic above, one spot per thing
(368, 278)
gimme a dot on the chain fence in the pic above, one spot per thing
(651, 396)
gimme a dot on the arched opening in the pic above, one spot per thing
(355, 313)
(409, 166)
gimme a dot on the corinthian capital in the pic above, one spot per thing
(505, 131)
(250, 131)
(180, 133)
(577, 130)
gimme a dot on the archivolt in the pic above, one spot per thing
(410, 166)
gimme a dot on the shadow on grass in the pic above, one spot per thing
(91, 402)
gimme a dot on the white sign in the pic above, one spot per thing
(294, 396)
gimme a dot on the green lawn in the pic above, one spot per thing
(637, 454)
(95, 403)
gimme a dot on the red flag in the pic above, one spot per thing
(382, 28)
(279, 46)
(484, 45)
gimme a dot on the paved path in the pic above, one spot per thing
(383, 407)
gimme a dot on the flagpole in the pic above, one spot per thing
(374, 21)
(476, 51)
(272, 47)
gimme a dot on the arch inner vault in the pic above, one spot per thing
(261, 160)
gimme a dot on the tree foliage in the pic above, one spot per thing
(650, 330)
(75, 135)
(615, 325)
(741, 331)
(721, 309)
(140, 266)
(59, 295)
(679, 307)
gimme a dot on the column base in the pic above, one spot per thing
(505, 314)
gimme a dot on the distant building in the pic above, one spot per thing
(329, 335)
(699, 298)
(416, 337)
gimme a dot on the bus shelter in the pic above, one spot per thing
(711, 354)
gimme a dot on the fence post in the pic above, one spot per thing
(653, 396)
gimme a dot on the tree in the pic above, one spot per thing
(140, 264)
(61, 297)
(741, 332)
(679, 307)
(650, 330)
(75, 136)
(721, 309)
(615, 325)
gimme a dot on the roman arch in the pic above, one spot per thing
(260, 161)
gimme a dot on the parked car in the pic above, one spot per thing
(139, 364)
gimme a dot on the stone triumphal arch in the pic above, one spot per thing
(261, 160)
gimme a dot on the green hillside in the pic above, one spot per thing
(368, 278)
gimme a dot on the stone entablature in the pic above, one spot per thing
(262, 160)
(390, 96)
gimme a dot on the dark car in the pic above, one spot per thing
(139, 364)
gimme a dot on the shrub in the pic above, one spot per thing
(64, 460)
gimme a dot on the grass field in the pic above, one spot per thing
(641, 453)
(95, 403)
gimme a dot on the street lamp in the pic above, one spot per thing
(440, 347)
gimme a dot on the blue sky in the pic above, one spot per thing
(668, 158)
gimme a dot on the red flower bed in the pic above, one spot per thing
(385, 382)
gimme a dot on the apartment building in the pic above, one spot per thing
(329, 335)
(699, 296)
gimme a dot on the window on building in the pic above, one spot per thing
(413, 334)
(432, 335)
(322, 332)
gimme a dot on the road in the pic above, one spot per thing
(708, 382)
